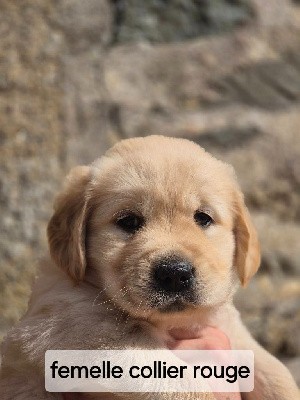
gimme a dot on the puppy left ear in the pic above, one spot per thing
(247, 250)
(66, 228)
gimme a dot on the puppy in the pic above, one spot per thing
(154, 236)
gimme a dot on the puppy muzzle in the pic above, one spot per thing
(173, 283)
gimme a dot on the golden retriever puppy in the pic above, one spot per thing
(151, 238)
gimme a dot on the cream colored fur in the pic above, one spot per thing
(95, 294)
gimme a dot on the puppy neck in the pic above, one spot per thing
(193, 320)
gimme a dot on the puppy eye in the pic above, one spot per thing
(130, 222)
(202, 219)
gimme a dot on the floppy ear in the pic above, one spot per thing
(247, 250)
(66, 229)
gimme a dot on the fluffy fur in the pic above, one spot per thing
(97, 293)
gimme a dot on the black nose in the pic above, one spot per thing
(173, 275)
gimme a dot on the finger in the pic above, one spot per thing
(200, 344)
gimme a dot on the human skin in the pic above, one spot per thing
(208, 338)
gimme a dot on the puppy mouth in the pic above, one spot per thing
(175, 306)
(175, 303)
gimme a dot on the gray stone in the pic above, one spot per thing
(177, 20)
(280, 245)
(84, 23)
(294, 366)
(270, 308)
(270, 85)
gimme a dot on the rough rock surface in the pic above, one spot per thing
(75, 77)
(177, 20)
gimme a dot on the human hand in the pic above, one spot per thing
(207, 338)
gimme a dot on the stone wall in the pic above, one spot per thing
(77, 76)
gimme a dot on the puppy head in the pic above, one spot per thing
(159, 224)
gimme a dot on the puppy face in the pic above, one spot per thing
(159, 224)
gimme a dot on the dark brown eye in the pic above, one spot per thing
(130, 222)
(202, 219)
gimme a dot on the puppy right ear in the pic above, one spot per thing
(66, 228)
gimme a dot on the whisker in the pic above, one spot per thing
(109, 300)
(101, 291)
